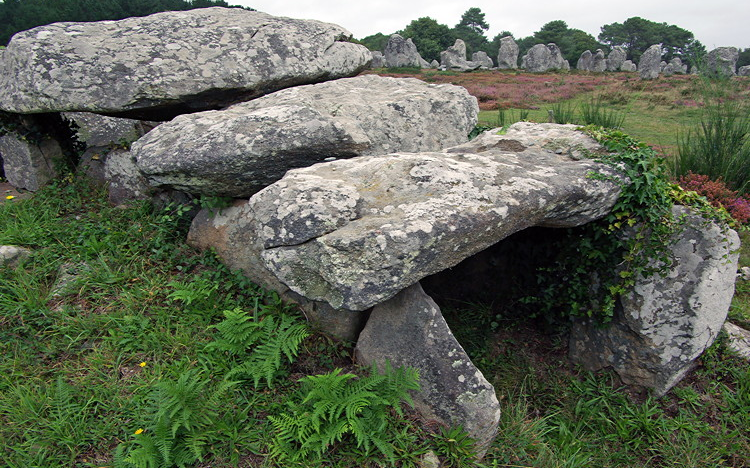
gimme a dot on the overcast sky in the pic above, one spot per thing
(715, 23)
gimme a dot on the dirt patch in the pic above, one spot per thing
(7, 191)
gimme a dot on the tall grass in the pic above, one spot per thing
(720, 146)
(596, 111)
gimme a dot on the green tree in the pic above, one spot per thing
(572, 42)
(637, 34)
(375, 41)
(429, 36)
(471, 30)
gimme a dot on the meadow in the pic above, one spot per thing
(154, 355)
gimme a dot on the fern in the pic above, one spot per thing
(335, 406)
(183, 417)
(260, 341)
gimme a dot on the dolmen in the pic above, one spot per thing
(350, 190)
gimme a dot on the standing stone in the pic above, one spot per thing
(409, 330)
(158, 66)
(598, 62)
(454, 58)
(665, 323)
(507, 56)
(242, 149)
(434, 64)
(722, 61)
(662, 66)
(650, 63)
(557, 61)
(482, 58)
(537, 59)
(29, 165)
(378, 60)
(616, 58)
(400, 52)
(628, 66)
(584, 61)
(679, 67)
(744, 71)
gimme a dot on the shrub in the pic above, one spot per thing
(595, 112)
(718, 194)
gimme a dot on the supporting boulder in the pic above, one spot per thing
(27, 164)
(666, 322)
(409, 330)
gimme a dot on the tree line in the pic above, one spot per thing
(635, 35)
(19, 15)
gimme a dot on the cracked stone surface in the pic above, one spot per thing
(409, 330)
(29, 165)
(158, 66)
(665, 323)
(246, 147)
(353, 233)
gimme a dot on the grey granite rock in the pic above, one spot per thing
(158, 66)
(507, 55)
(400, 52)
(584, 61)
(454, 58)
(102, 131)
(378, 60)
(482, 58)
(616, 58)
(744, 71)
(409, 330)
(29, 165)
(240, 150)
(598, 62)
(739, 339)
(650, 64)
(629, 66)
(541, 58)
(13, 255)
(722, 61)
(665, 323)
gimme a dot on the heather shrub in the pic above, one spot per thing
(718, 194)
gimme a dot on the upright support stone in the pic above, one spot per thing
(409, 330)
(665, 323)
(28, 165)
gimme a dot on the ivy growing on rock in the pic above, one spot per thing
(598, 262)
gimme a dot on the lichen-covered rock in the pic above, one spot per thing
(355, 232)
(483, 59)
(378, 60)
(454, 58)
(584, 61)
(409, 330)
(598, 62)
(722, 61)
(158, 66)
(29, 165)
(400, 52)
(650, 64)
(240, 150)
(629, 66)
(125, 182)
(507, 55)
(738, 339)
(744, 71)
(13, 255)
(100, 130)
(616, 58)
(541, 58)
(665, 323)
(231, 233)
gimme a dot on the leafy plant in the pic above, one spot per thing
(455, 446)
(259, 342)
(183, 415)
(330, 407)
(718, 194)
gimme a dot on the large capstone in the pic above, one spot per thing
(409, 330)
(666, 322)
(353, 233)
(240, 150)
(158, 66)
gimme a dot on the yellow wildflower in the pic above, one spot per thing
(138, 431)
(143, 364)
(9, 197)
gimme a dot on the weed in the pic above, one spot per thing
(596, 112)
